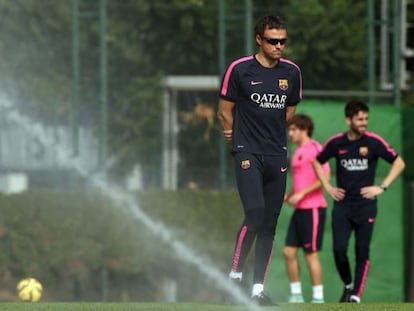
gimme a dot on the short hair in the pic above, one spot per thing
(303, 122)
(268, 22)
(353, 107)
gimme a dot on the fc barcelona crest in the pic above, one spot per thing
(283, 84)
(363, 151)
(245, 164)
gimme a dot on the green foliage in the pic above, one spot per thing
(147, 40)
(36, 73)
(136, 122)
(328, 41)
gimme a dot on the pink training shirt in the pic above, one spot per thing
(304, 175)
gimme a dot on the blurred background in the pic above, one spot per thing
(128, 88)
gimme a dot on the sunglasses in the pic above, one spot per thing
(275, 41)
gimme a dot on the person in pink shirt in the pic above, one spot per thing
(308, 220)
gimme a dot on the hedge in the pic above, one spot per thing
(59, 236)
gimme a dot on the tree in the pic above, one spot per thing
(150, 39)
(35, 71)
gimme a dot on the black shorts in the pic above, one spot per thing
(306, 229)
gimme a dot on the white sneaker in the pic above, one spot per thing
(296, 298)
(314, 300)
(354, 299)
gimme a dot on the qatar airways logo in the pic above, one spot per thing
(273, 101)
(355, 164)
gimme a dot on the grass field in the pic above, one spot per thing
(196, 307)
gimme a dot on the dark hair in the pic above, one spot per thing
(353, 107)
(268, 22)
(303, 122)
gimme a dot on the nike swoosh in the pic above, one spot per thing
(342, 151)
(256, 82)
(283, 169)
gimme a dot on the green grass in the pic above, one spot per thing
(196, 307)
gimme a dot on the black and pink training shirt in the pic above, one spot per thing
(261, 95)
(356, 161)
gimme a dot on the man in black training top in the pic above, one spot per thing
(355, 197)
(257, 95)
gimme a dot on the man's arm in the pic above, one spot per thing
(396, 169)
(294, 198)
(225, 115)
(290, 111)
(336, 193)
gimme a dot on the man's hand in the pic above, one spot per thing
(336, 193)
(294, 198)
(371, 191)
